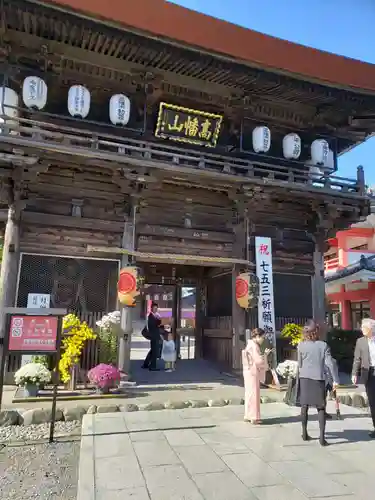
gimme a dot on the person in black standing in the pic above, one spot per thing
(153, 327)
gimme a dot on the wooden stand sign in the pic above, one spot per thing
(34, 331)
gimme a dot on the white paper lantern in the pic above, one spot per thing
(119, 109)
(292, 146)
(34, 92)
(8, 97)
(261, 139)
(330, 162)
(319, 151)
(79, 101)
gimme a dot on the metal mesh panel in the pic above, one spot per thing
(80, 285)
(86, 287)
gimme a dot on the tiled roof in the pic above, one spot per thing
(364, 264)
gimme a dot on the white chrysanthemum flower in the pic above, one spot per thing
(32, 373)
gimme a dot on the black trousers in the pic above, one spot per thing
(153, 353)
(370, 391)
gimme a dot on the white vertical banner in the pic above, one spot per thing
(266, 310)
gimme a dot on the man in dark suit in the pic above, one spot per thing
(364, 364)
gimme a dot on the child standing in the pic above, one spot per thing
(169, 353)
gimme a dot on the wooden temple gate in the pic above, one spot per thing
(85, 189)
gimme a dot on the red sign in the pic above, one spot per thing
(33, 333)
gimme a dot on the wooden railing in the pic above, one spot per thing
(56, 138)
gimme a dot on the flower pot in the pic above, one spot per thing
(30, 390)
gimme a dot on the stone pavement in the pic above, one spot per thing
(211, 454)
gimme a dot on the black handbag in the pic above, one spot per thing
(145, 333)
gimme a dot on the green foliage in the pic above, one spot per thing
(43, 360)
(293, 332)
(342, 345)
(108, 346)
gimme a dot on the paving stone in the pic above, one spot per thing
(117, 473)
(252, 471)
(92, 409)
(183, 437)
(222, 486)
(86, 469)
(225, 444)
(279, 492)
(269, 450)
(112, 445)
(128, 494)
(309, 480)
(155, 453)
(107, 426)
(170, 482)
(137, 437)
(199, 460)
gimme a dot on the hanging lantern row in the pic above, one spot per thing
(321, 154)
(34, 95)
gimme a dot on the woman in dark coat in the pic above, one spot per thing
(313, 356)
(153, 327)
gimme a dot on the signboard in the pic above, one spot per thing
(33, 333)
(266, 310)
(38, 300)
(188, 125)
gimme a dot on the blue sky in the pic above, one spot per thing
(344, 27)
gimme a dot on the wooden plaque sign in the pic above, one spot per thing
(188, 125)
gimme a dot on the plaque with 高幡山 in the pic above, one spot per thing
(188, 125)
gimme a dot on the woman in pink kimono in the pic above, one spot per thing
(254, 366)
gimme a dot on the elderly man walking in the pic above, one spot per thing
(364, 365)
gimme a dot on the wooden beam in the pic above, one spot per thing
(178, 232)
(170, 257)
(70, 222)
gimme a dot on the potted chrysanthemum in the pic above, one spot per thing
(104, 377)
(31, 376)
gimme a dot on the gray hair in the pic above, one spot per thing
(369, 324)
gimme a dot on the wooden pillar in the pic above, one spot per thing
(238, 314)
(199, 316)
(9, 265)
(126, 324)
(318, 283)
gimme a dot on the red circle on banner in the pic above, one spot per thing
(127, 283)
(242, 288)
